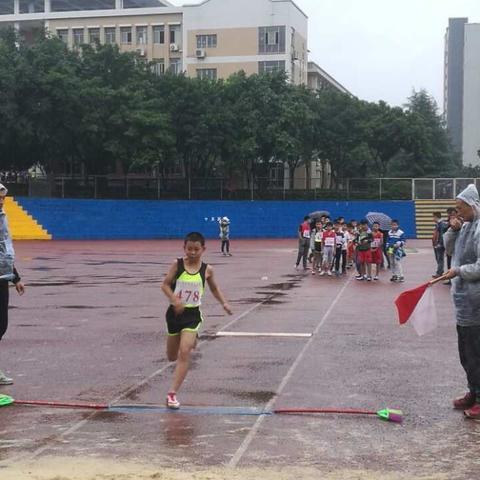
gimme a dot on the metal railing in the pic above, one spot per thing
(214, 188)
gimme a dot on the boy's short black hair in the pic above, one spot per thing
(329, 224)
(437, 214)
(195, 237)
(363, 222)
(306, 217)
(375, 223)
(349, 225)
(451, 210)
(395, 221)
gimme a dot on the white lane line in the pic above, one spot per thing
(77, 426)
(256, 426)
(247, 312)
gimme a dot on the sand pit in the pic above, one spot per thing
(98, 469)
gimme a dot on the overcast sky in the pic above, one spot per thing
(382, 49)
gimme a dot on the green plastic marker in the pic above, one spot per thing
(390, 415)
(5, 400)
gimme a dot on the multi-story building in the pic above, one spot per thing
(462, 88)
(212, 39)
(319, 79)
(453, 79)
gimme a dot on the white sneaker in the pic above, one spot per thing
(329, 273)
(172, 401)
(4, 380)
(375, 278)
(322, 273)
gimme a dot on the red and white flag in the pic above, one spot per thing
(417, 306)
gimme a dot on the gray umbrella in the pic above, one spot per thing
(318, 214)
(382, 218)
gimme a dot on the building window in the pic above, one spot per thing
(175, 36)
(158, 66)
(271, 40)
(78, 38)
(62, 34)
(126, 35)
(206, 41)
(207, 73)
(175, 66)
(94, 35)
(110, 35)
(159, 34)
(271, 66)
(142, 38)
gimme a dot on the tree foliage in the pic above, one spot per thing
(96, 110)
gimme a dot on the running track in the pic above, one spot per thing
(90, 328)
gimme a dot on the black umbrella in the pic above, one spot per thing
(382, 218)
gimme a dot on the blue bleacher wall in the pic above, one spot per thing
(70, 219)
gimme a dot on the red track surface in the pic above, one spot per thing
(90, 329)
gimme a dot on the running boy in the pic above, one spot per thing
(184, 286)
(377, 248)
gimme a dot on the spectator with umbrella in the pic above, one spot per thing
(385, 222)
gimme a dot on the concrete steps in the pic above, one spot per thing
(22, 225)
(424, 209)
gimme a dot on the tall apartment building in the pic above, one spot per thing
(462, 87)
(453, 79)
(212, 39)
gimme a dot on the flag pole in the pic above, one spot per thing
(437, 280)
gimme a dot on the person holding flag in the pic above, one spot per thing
(462, 241)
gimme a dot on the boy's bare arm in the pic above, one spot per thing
(216, 292)
(167, 289)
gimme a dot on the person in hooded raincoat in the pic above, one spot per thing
(8, 273)
(462, 241)
(225, 236)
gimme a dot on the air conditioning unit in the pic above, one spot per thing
(141, 52)
(200, 53)
(173, 47)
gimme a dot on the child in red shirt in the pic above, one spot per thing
(377, 248)
(329, 246)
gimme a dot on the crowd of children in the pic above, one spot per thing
(334, 247)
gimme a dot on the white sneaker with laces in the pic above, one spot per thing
(4, 380)
(172, 401)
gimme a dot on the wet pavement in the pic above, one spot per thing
(90, 329)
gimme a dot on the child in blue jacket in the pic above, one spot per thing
(396, 251)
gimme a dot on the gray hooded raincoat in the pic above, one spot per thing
(464, 246)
